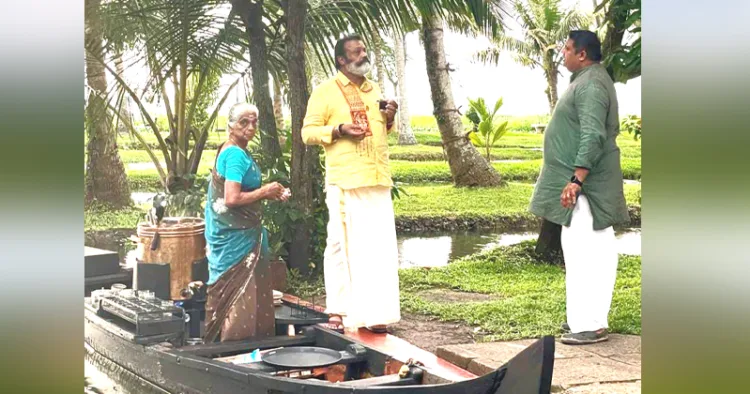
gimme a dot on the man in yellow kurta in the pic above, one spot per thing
(347, 117)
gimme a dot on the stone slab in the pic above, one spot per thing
(574, 371)
(501, 352)
(607, 388)
(632, 359)
(457, 354)
(613, 365)
(617, 344)
(589, 370)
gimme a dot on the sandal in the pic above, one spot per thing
(335, 323)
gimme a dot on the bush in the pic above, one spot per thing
(632, 124)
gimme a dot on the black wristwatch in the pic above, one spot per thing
(575, 180)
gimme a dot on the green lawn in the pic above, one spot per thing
(529, 297)
(435, 153)
(398, 152)
(101, 218)
(408, 172)
(420, 201)
(528, 170)
(434, 201)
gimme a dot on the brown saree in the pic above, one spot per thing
(240, 302)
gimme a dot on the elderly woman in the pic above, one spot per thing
(240, 298)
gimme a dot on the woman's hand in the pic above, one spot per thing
(286, 195)
(273, 191)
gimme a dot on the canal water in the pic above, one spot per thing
(439, 249)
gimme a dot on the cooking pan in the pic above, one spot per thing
(302, 357)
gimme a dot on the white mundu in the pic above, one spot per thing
(361, 256)
(590, 269)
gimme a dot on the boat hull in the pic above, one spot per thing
(190, 369)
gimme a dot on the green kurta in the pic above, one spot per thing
(582, 133)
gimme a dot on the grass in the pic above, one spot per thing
(435, 153)
(421, 201)
(434, 201)
(408, 172)
(530, 296)
(99, 217)
(438, 171)
(509, 140)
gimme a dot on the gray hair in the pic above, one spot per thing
(237, 110)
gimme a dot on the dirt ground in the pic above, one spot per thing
(429, 334)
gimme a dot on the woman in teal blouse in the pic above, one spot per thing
(240, 297)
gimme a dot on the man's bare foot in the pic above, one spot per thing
(378, 328)
(335, 323)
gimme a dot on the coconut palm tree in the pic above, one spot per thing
(187, 44)
(405, 133)
(545, 27)
(105, 174)
(619, 25)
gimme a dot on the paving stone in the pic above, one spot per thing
(617, 344)
(611, 365)
(588, 370)
(481, 367)
(570, 372)
(607, 388)
(632, 359)
(501, 352)
(456, 354)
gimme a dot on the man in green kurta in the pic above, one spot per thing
(580, 187)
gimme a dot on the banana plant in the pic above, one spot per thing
(486, 131)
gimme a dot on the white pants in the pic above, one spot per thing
(590, 270)
(361, 257)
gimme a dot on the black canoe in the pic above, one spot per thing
(172, 367)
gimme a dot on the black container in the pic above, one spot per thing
(100, 262)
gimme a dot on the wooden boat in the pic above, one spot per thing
(157, 351)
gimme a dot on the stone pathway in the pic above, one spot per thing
(612, 367)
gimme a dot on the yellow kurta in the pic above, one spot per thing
(348, 166)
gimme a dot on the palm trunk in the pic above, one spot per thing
(252, 15)
(302, 156)
(105, 174)
(277, 105)
(379, 63)
(468, 167)
(122, 124)
(552, 86)
(550, 73)
(405, 134)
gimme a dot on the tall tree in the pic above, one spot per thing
(278, 103)
(377, 45)
(468, 167)
(252, 12)
(105, 174)
(188, 43)
(545, 27)
(619, 24)
(405, 133)
(304, 158)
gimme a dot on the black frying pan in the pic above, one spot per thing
(302, 357)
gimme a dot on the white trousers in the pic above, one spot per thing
(590, 270)
(361, 256)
